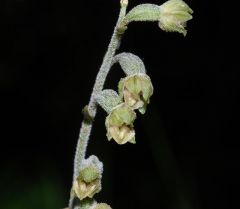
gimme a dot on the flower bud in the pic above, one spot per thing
(136, 91)
(87, 183)
(102, 206)
(174, 15)
(119, 124)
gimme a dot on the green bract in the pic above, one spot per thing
(136, 91)
(108, 99)
(119, 124)
(174, 15)
(88, 183)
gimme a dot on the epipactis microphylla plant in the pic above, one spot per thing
(134, 93)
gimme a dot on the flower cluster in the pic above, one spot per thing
(135, 92)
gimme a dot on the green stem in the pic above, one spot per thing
(86, 127)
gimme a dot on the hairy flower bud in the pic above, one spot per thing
(88, 183)
(136, 91)
(119, 124)
(174, 15)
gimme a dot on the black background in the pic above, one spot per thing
(186, 156)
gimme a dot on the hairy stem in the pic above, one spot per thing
(86, 127)
(98, 87)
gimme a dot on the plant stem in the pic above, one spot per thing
(98, 87)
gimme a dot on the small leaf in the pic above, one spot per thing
(130, 63)
(142, 12)
(108, 99)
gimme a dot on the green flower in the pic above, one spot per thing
(174, 15)
(136, 91)
(88, 183)
(119, 124)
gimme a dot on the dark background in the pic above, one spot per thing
(186, 156)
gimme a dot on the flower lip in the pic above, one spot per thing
(121, 134)
(84, 189)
